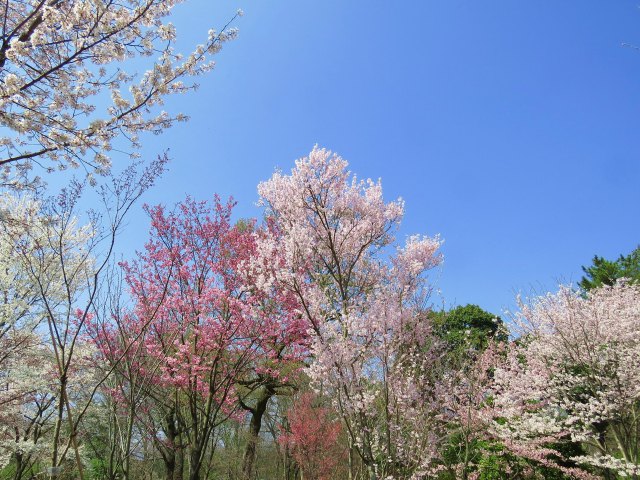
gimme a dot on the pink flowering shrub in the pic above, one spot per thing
(313, 438)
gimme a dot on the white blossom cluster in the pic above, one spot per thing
(575, 374)
(60, 59)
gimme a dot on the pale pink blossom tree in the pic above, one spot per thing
(362, 303)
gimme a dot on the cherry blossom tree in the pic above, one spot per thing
(31, 260)
(119, 336)
(313, 438)
(60, 60)
(574, 376)
(220, 337)
(283, 345)
(362, 304)
(64, 263)
(186, 274)
(27, 407)
(17, 321)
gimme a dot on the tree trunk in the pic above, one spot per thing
(20, 466)
(179, 470)
(195, 463)
(172, 452)
(169, 465)
(254, 430)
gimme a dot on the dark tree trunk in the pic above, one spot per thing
(20, 466)
(254, 430)
(194, 470)
(169, 460)
(179, 471)
(172, 454)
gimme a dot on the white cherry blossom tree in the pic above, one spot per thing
(574, 376)
(31, 267)
(55, 267)
(60, 59)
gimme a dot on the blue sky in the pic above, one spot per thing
(510, 128)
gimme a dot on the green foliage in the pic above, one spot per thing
(489, 460)
(606, 272)
(492, 464)
(496, 462)
(246, 225)
(98, 469)
(468, 326)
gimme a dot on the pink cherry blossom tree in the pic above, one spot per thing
(222, 339)
(200, 335)
(119, 336)
(312, 438)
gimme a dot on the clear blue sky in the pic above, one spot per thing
(510, 128)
